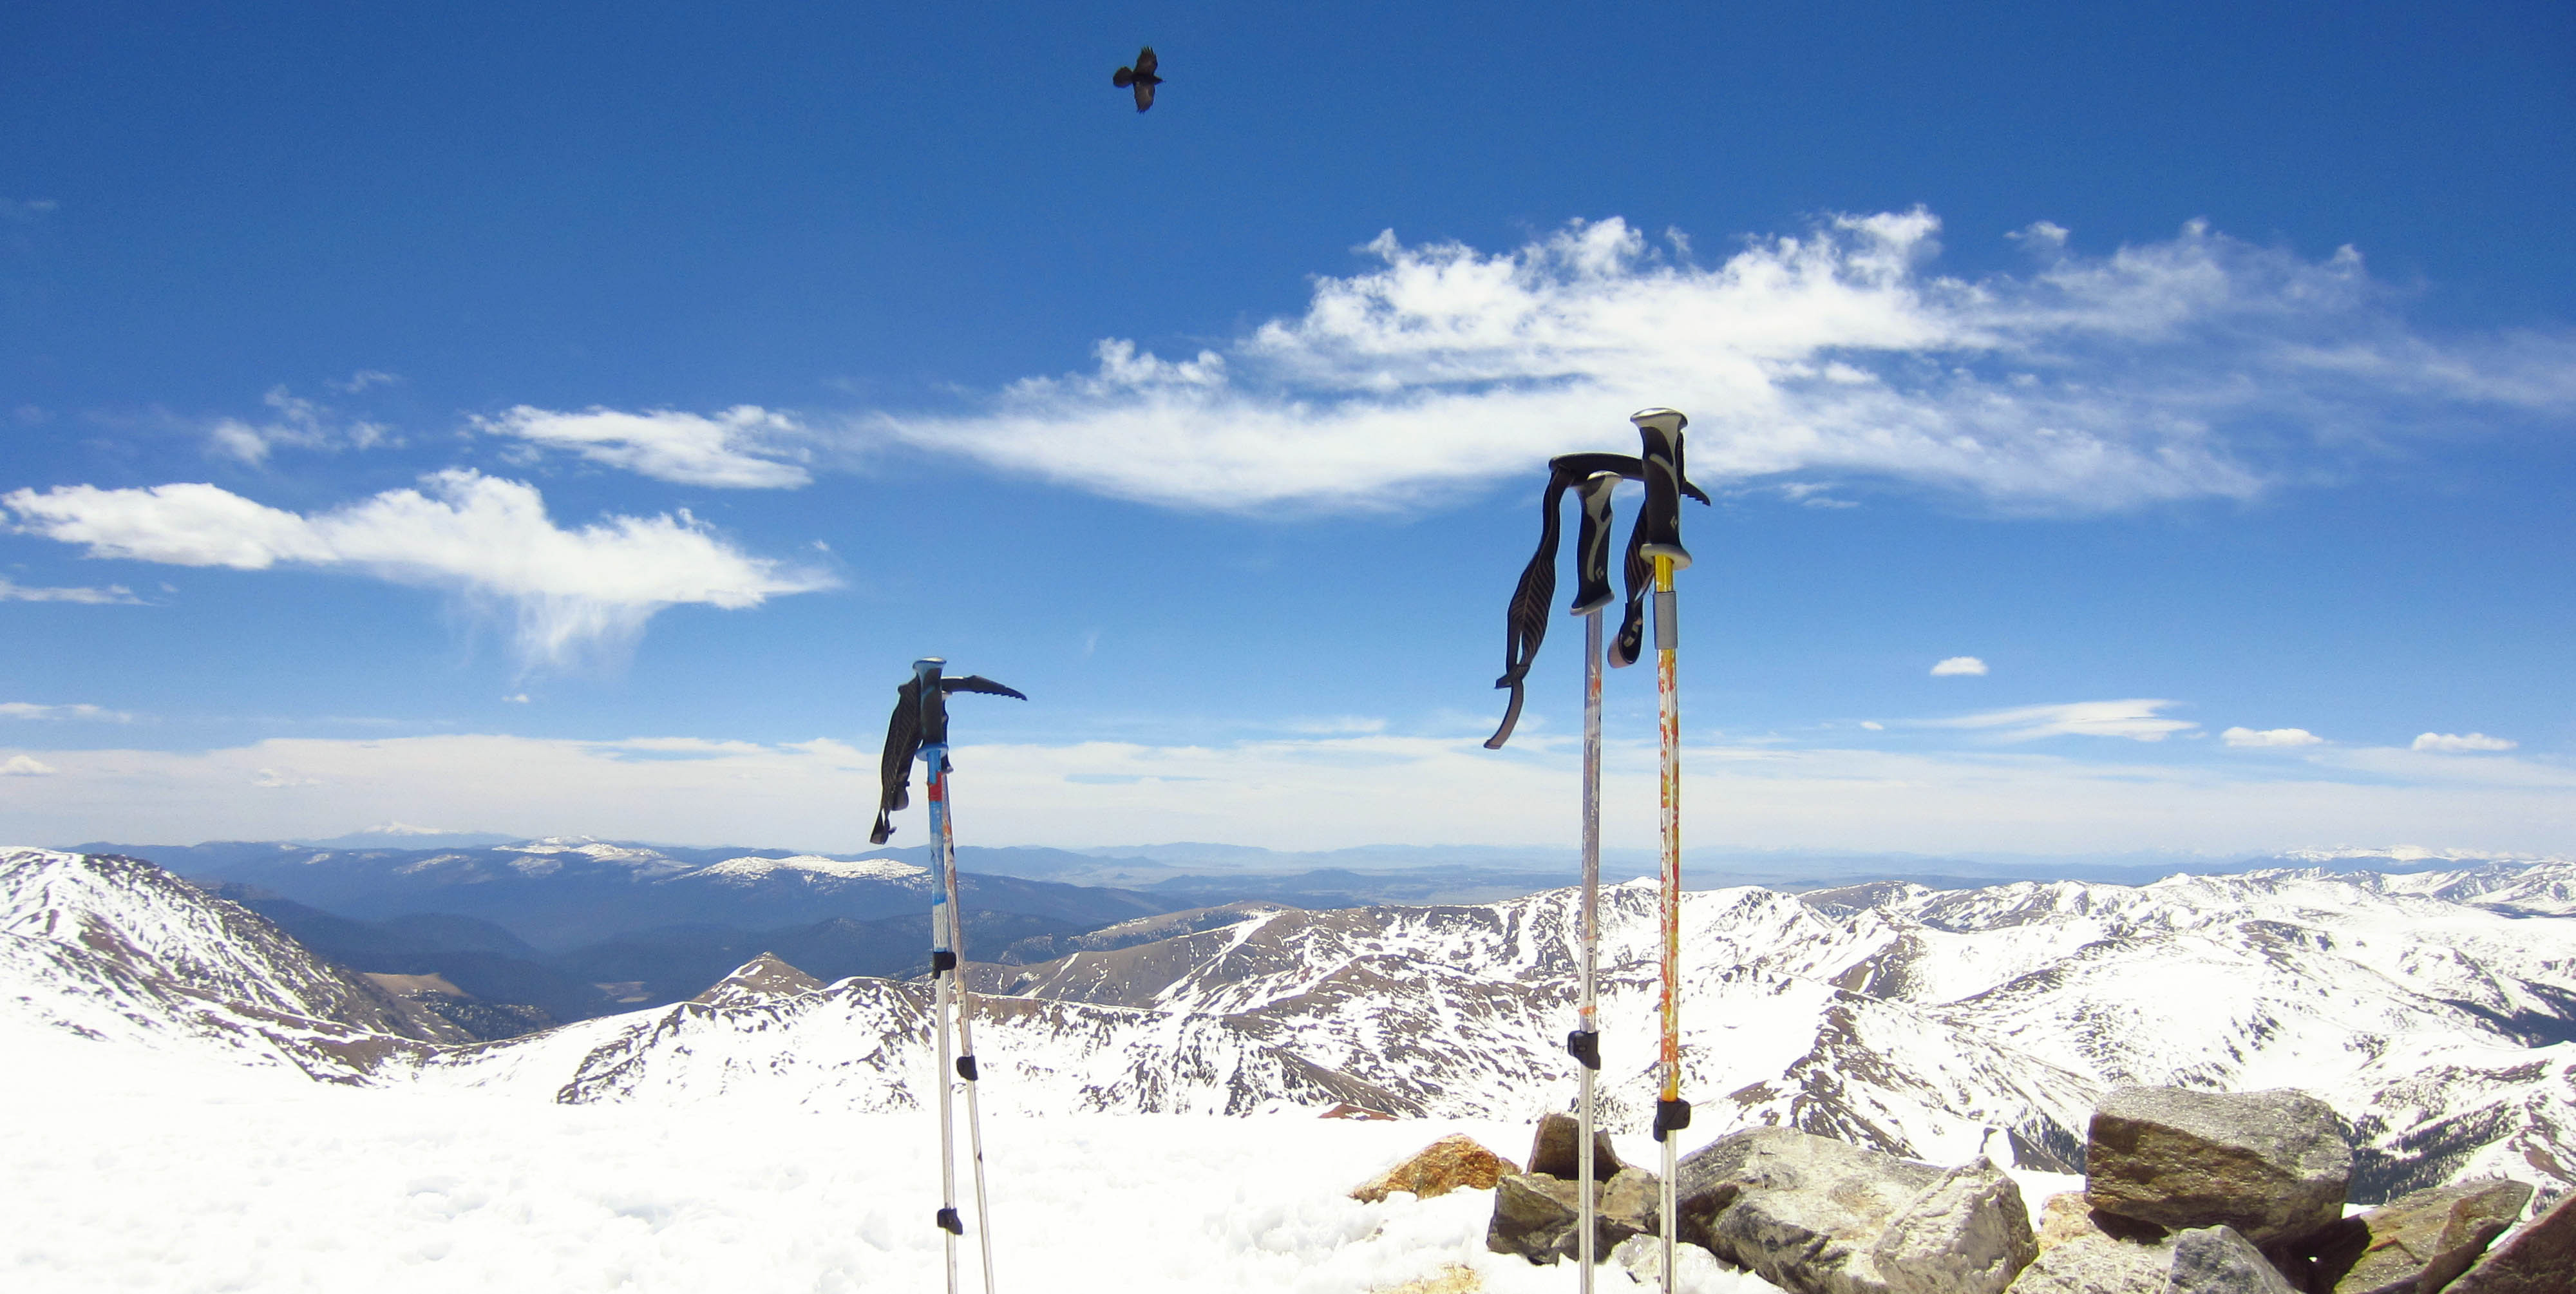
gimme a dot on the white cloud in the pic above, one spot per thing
(25, 766)
(300, 423)
(1958, 665)
(1303, 793)
(2091, 382)
(2450, 743)
(2137, 720)
(30, 710)
(271, 779)
(1873, 725)
(113, 594)
(2270, 737)
(486, 539)
(739, 448)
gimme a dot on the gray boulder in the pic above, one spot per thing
(2205, 1260)
(1815, 1216)
(1535, 1214)
(2539, 1259)
(2418, 1243)
(2271, 1165)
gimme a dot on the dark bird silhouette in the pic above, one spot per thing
(1140, 76)
(913, 724)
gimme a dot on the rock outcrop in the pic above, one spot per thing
(2188, 1193)
(2272, 1165)
(2202, 1260)
(1557, 1150)
(2416, 1243)
(1815, 1216)
(1537, 1214)
(2539, 1259)
(1437, 1169)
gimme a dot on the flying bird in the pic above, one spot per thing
(1140, 76)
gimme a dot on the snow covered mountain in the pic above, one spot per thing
(2436, 1011)
(566, 891)
(119, 950)
(1935, 1024)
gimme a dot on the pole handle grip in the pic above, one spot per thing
(1660, 524)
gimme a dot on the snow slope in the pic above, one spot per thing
(145, 1171)
(2429, 1009)
(116, 949)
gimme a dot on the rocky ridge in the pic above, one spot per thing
(1929, 1025)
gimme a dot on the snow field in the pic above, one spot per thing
(134, 1171)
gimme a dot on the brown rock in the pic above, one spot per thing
(1556, 1150)
(1533, 1214)
(2538, 1259)
(2418, 1243)
(1452, 1279)
(2062, 1218)
(2065, 1216)
(2271, 1165)
(1439, 1168)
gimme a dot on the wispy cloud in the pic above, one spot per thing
(1956, 665)
(2137, 720)
(2270, 737)
(486, 539)
(30, 710)
(299, 423)
(743, 448)
(1380, 787)
(2198, 366)
(113, 594)
(25, 766)
(2457, 743)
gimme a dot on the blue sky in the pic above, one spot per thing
(575, 421)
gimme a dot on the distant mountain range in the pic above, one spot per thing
(2434, 1010)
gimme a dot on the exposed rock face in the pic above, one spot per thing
(1969, 1232)
(2218, 1260)
(2418, 1243)
(759, 980)
(1815, 1216)
(2539, 1259)
(1536, 1215)
(2206, 1260)
(2272, 1165)
(1437, 1169)
(1557, 1150)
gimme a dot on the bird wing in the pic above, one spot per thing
(979, 683)
(1123, 77)
(1146, 62)
(1144, 95)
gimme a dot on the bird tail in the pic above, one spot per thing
(1123, 77)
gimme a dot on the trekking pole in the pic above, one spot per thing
(1594, 477)
(1659, 527)
(920, 726)
(1592, 559)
